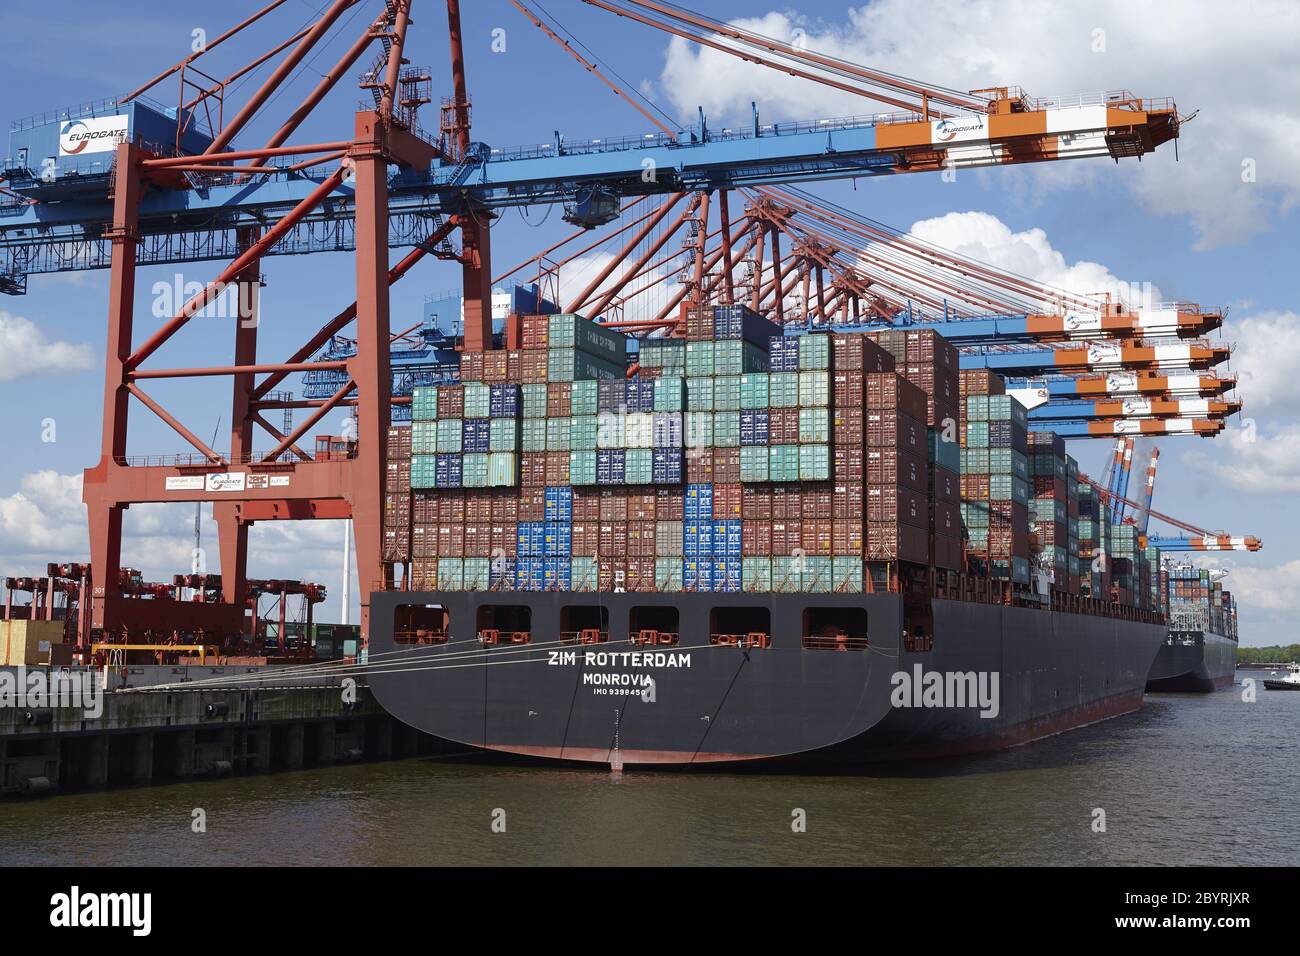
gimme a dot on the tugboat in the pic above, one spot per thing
(1290, 682)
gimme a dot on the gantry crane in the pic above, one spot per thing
(134, 183)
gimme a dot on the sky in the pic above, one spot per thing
(1216, 224)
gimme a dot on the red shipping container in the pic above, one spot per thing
(641, 507)
(451, 401)
(451, 541)
(451, 507)
(669, 504)
(532, 469)
(816, 537)
(726, 466)
(613, 540)
(424, 574)
(397, 545)
(478, 540)
(848, 389)
(974, 487)
(613, 504)
(586, 539)
(532, 368)
(532, 505)
(727, 501)
(471, 368)
(699, 466)
(780, 495)
(505, 540)
(513, 366)
(641, 574)
(856, 351)
(756, 502)
(846, 500)
(847, 425)
(424, 541)
(640, 539)
(536, 331)
(848, 463)
(783, 426)
(558, 402)
(611, 574)
(847, 537)
(816, 501)
(756, 538)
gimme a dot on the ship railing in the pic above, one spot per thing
(420, 636)
(752, 639)
(834, 642)
(586, 636)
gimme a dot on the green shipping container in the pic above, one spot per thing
(478, 400)
(697, 429)
(668, 574)
(846, 575)
(449, 436)
(638, 466)
(754, 463)
(814, 352)
(814, 462)
(584, 397)
(423, 471)
(814, 426)
(451, 574)
(783, 389)
(726, 429)
(424, 403)
(503, 469)
(534, 400)
(583, 431)
(753, 391)
(699, 394)
(582, 467)
(477, 574)
(756, 575)
(503, 434)
(814, 389)
(533, 434)
(783, 463)
(424, 437)
(474, 470)
(670, 394)
(582, 335)
(699, 359)
(584, 574)
(726, 393)
(558, 433)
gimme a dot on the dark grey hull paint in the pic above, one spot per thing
(1193, 662)
(1056, 671)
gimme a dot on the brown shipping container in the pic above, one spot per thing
(478, 540)
(586, 539)
(397, 544)
(641, 539)
(947, 519)
(532, 469)
(727, 501)
(856, 351)
(887, 392)
(894, 429)
(558, 402)
(424, 574)
(848, 388)
(613, 505)
(848, 463)
(451, 507)
(669, 505)
(641, 506)
(846, 500)
(756, 501)
(505, 539)
(944, 484)
(756, 538)
(898, 542)
(946, 552)
(847, 537)
(890, 504)
(889, 466)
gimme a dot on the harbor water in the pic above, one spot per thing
(1192, 779)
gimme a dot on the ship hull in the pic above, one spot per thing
(1193, 662)
(696, 703)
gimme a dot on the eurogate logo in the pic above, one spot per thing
(945, 131)
(91, 135)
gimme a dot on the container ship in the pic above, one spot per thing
(744, 545)
(1200, 653)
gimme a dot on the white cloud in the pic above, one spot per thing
(1258, 460)
(25, 350)
(1232, 62)
(1266, 358)
(981, 236)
